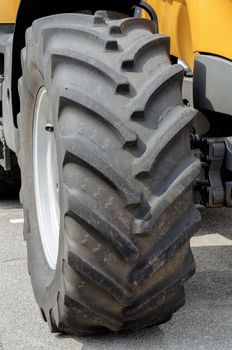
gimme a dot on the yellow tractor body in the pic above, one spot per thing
(196, 26)
(8, 10)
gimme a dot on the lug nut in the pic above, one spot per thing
(49, 128)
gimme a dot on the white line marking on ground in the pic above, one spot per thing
(210, 240)
(17, 221)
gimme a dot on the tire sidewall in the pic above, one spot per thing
(45, 281)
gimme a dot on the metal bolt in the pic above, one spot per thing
(49, 128)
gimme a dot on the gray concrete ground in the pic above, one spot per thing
(204, 323)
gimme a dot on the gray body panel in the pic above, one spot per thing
(10, 132)
(212, 84)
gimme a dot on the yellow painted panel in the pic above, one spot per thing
(8, 10)
(174, 21)
(196, 26)
(211, 23)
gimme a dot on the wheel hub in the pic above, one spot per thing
(46, 179)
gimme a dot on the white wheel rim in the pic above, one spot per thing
(46, 179)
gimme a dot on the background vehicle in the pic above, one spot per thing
(110, 151)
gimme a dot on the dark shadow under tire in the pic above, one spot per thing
(10, 181)
(126, 173)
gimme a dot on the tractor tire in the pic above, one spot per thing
(126, 173)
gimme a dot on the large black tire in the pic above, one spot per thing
(126, 173)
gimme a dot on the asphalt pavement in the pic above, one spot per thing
(204, 323)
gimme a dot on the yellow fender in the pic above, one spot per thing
(196, 26)
(8, 11)
(193, 25)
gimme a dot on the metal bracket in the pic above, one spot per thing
(215, 180)
(212, 156)
(216, 157)
(151, 12)
(5, 154)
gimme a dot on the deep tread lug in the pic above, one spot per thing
(101, 39)
(94, 315)
(169, 127)
(180, 234)
(160, 204)
(72, 94)
(82, 152)
(123, 26)
(101, 279)
(118, 81)
(139, 103)
(118, 239)
(129, 57)
(146, 303)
